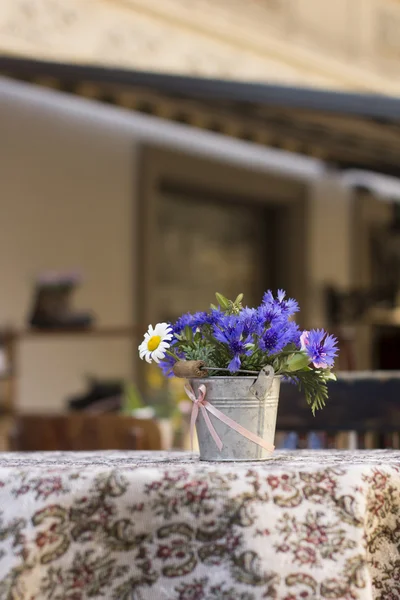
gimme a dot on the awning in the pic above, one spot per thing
(382, 186)
(349, 131)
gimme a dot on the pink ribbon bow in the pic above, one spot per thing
(203, 404)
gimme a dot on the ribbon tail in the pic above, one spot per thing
(210, 426)
(190, 393)
(242, 430)
(193, 418)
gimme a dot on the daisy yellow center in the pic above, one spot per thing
(154, 342)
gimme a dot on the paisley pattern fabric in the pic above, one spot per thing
(152, 526)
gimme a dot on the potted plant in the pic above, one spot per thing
(234, 358)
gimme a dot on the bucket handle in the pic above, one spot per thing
(263, 383)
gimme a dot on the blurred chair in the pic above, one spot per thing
(363, 411)
(82, 431)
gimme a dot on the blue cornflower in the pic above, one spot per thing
(268, 314)
(232, 336)
(199, 319)
(168, 361)
(269, 342)
(293, 333)
(183, 321)
(287, 307)
(251, 321)
(189, 320)
(278, 336)
(320, 347)
(268, 298)
(166, 365)
(214, 316)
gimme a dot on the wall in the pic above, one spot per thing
(370, 212)
(330, 248)
(66, 201)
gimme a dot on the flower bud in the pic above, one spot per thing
(297, 361)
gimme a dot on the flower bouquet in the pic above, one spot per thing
(234, 358)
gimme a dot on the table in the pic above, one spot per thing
(154, 526)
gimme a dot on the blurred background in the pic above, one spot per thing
(154, 152)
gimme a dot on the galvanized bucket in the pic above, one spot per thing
(233, 397)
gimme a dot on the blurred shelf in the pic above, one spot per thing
(11, 338)
(389, 317)
(118, 331)
(6, 376)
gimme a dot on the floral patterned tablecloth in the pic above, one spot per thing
(154, 526)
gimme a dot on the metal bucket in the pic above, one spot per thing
(232, 396)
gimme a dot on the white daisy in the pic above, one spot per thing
(156, 342)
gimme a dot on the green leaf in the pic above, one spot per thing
(213, 307)
(276, 365)
(330, 376)
(197, 351)
(238, 299)
(172, 355)
(188, 333)
(222, 301)
(297, 361)
(313, 384)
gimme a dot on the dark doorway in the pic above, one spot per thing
(208, 244)
(386, 348)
